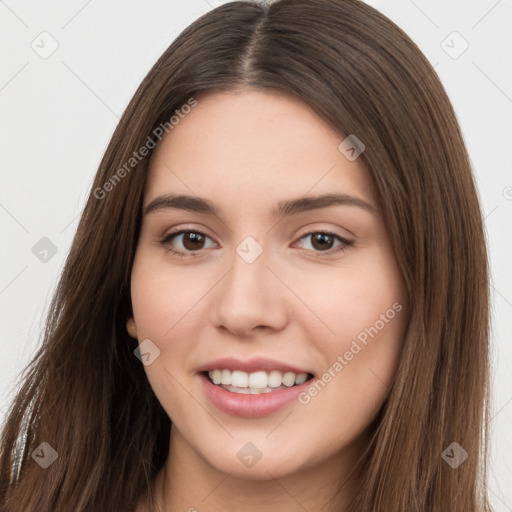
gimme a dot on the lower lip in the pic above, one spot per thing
(251, 406)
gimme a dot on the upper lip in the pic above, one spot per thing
(250, 365)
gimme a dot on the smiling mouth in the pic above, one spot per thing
(255, 383)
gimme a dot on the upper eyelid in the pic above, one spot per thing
(182, 231)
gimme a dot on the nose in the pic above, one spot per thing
(250, 298)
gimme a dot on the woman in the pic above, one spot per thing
(277, 295)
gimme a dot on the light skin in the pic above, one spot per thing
(302, 301)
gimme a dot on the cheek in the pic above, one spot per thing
(164, 296)
(365, 311)
(160, 313)
(356, 300)
(168, 306)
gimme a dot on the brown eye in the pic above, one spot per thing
(322, 241)
(325, 243)
(191, 241)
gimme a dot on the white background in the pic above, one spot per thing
(57, 115)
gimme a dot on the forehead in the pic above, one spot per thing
(254, 145)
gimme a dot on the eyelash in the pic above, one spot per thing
(167, 238)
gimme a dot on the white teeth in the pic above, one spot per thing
(302, 377)
(226, 377)
(256, 382)
(239, 379)
(274, 379)
(216, 376)
(250, 391)
(289, 379)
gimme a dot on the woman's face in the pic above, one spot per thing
(269, 277)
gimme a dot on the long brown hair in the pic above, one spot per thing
(86, 394)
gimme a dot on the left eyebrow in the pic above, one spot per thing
(305, 204)
(284, 208)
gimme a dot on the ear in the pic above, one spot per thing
(131, 327)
